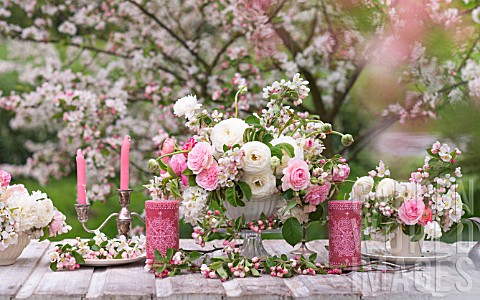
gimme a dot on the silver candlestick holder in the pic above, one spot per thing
(124, 216)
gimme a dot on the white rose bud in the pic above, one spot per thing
(387, 187)
(274, 161)
(362, 188)
(228, 132)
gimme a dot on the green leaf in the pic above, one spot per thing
(169, 254)
(310, 265)
(284, 257)
(316, 215)
(287, 147)
(95, 247)
(78, 257)
(53, 267)
(288, 194)
(292, 231)
(313, 257)
(255, 272)
(162, 164)
(187, 172)
(276, 151)
(247, 191)
(231, 196)
(221, 271)
(157, 255)
(267, 138)
(291, 204)
(252, 120)
(192, 181)
(225, 148)
(171, 172)
(456, 229)
(194, 255)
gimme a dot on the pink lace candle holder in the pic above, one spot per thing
(162, 226)
(344, 232)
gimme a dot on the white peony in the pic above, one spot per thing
(362, 188)
(410, 190)
(285, 158)
(433, 230)
(44, 212)
(256, 158)
(261, 184)
(228, 132)
(186, 106)
(26, 210)
(387, 187)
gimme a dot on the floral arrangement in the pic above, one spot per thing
(70, 256)
(427, 204)
(175, 262)
(276, 154)
(24, 213)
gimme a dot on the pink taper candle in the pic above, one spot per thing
(125, 162)
(81, 178)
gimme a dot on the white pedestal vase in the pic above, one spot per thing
(10, 255)
(253, 209)
(401, 245)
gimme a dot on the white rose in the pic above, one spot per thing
(228, 132)
(410, 190)
(285, 158)
(261, 184)
(433, 230)
(44, 212)
(387, 187)
(256, 158)
(186, 106)
(362, 188)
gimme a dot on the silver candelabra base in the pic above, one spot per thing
(124, 216)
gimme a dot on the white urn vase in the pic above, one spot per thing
(254, 208)
(401, 244)
(10, 255)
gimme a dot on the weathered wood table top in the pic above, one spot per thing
(30, 277)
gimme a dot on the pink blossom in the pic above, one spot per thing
(189, 145)
(427, 216)
(200, 158)
(177, 163)
(296, 175)
(58, 225)
(411, 211)
(208, 178)
(317, 193)
(5, 178)
(167, 148)
(341, 172)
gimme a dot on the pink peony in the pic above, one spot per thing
(427, 216)
(411, 211)
(200, 158)
(296, 175)
(189, 145)
(317, 193)
(208, 178)
(340, 173)
(5, 178)
(178, 163)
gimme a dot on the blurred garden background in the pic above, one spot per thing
(397, 75)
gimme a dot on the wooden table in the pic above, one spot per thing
(30, 277)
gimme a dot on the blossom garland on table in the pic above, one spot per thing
(24, 213)
(234, 265)
(277, 153)
(71, 256)
(428, 204)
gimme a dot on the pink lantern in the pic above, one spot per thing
(162, 226)
(344, 232)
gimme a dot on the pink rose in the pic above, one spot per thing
(167, 148)
(208, 178)
(200, 158)
(427, 216)
(5, 178)
(317, 193)
(340, 173)
(177, 163)
(411, 211)
(296, 175)
(189, 145)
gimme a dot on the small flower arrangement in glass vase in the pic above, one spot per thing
(253, 173)
(405, 212)
(24, 216)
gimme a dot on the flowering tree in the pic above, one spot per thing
(94, 71)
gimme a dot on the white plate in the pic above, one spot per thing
(385, 255)
(112, 262)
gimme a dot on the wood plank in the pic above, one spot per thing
(128, 282)
(13, 278)
(190, 286)
(97, 283)
(266, 287)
